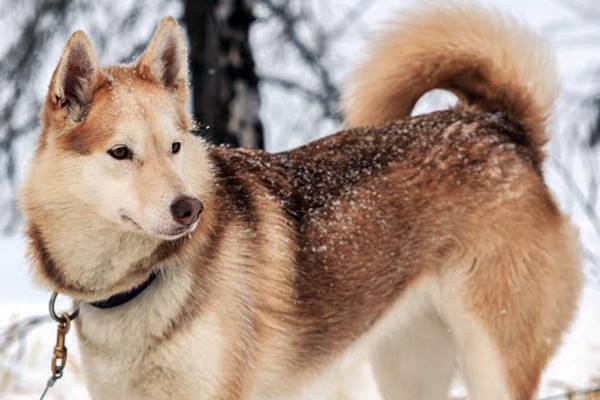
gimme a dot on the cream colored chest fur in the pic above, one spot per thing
(124, 355)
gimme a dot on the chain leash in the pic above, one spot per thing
(59, 355)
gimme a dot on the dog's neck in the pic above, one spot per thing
(92, 261)
(121, 298)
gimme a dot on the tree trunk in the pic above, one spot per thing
(224, 82)
(595, 129)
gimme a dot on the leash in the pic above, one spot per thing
(59, 356)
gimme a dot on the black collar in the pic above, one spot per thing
(123, 297)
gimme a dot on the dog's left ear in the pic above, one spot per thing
(165, 59)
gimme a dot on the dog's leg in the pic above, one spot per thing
(508, 310)
(417, 362)
(480, 360)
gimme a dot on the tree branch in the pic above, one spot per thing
(313, 58)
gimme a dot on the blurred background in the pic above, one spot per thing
(268, 73)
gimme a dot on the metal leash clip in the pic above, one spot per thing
(59, 356)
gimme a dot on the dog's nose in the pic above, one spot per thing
(186, 210)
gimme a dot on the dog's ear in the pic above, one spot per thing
(165, 59)
(75, 77)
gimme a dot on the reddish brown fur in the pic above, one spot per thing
(302, 253)
(344, 205)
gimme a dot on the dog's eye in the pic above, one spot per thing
(121, 152)
(175, 147)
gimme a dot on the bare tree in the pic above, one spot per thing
(17, 66)
(305, 38)
(588, 12)
(326, 94)
(224, 81)
(575, 157)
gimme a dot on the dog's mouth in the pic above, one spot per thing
(177, 232)
(167, 234)
(130, 220)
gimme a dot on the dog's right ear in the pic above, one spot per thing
(74, 80)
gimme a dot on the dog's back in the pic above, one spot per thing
(433, 237)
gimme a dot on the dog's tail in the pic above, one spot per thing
(488, 61)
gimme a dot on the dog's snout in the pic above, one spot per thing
(186, 210)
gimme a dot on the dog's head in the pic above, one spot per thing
(116, 151)
(116, 140)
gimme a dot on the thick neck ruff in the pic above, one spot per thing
(62, 284)
(124, 297)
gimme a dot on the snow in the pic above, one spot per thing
(16, 283)
(577, 363)
(26, 378)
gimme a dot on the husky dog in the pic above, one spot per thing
(216, 273)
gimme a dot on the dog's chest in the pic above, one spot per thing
(185, 367)
(140, 350)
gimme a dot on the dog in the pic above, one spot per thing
(429, 242)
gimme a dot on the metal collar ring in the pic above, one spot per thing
(53, 313)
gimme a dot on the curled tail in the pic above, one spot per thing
(488, 61)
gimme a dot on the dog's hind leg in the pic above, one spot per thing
(508, 310)
(416, 362)
(481, 360)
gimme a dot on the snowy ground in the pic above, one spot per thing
(577, 365)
